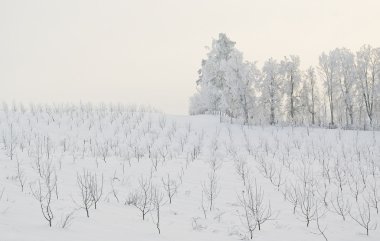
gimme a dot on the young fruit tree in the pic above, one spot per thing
(142, 198)
(170, 187)
(255, 212)
(157, 203)
(85, 186)
(363, 217)
(43, 193)
(211, 188)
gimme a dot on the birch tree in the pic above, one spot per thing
(368, 71)
(270, 86)
(290, 67)
(328, 71)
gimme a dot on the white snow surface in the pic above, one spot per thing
(82, 134)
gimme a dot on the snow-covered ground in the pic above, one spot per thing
(300, 171)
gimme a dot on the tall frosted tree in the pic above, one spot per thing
(212, 77)
(270, 87)
(290, 68)
(346, 78)
(328, 71)
(225, 82)
(239, 94)
(309, 94)
(368, 72)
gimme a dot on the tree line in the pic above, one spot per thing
(342, 91)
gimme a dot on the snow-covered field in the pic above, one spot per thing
(330, 177)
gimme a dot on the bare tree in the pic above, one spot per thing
(340, 205)
(103, 151)
(20, 176)
(355, 186)
(114, 191)
(256, 213)
(211, 188)
(246, 201)
(38, 156)
(340, 175)
(204, 209)
(374, 196)
(157, 202)
(48, 147)
(183, 140)
(242, 170)
(43, 193)
(66, 220)
(308, 205)
(277, 179)
(85, 186)
(364, 217)
(96, 189)
(155, 161)
(320, 229)
(170, 187)
(323, 192)
(12, 143)
(267, 168)
(292, 196)
(142, 198)
(263, 212)
(163, 152)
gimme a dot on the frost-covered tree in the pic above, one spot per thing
(328, 71)
(238, 92)
(349, 87)
(212, 75)
(270, 87)
(309, 94)
(290, 68)
(368, 72)
(224, 84)
(346, 78)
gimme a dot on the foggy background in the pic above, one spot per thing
(148, 52)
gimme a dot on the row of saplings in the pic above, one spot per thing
(147, 198)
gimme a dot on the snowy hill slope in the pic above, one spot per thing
(293, 174)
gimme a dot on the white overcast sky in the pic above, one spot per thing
(148, 52)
